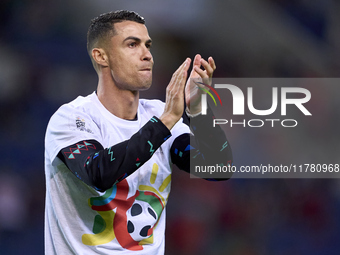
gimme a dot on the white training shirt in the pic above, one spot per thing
(81, 220)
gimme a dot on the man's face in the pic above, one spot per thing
(130, 59)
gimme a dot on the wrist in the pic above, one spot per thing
(192, 114)
(168, 120)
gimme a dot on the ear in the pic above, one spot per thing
(100, 57)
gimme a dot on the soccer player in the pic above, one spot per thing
(108, 155)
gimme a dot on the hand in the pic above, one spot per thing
(192, 92)
(174, 102)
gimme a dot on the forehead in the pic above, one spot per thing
(125, 29)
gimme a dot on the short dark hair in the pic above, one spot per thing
(102, 27)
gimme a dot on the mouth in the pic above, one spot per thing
(146, 69)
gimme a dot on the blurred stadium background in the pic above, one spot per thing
(44, 64)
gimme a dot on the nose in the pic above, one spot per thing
(146, 56)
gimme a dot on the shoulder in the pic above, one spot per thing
(78, 109)
(71, 123)
(80, 104)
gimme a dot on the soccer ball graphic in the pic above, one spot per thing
(141, 217)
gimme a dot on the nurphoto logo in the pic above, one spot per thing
(238, 106)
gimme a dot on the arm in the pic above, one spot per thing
(100, 168)
(208, 146)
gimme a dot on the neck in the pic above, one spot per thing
(121, 103)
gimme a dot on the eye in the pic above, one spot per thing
(132, 45)
(148, 46)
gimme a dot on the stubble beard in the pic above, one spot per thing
(134, 85)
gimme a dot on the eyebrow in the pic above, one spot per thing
(136, 39)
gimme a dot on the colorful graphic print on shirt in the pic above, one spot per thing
(134, 219)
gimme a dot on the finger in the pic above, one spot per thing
(180, 70)
(187, 64)
(201, 72)
(197, 60)
(212, 63)
(184, 72)
(182, 66)
(179, 77)
(207, 67)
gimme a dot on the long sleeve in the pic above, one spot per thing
(101, 168)
(207, 146)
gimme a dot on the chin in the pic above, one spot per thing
(145, 85)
